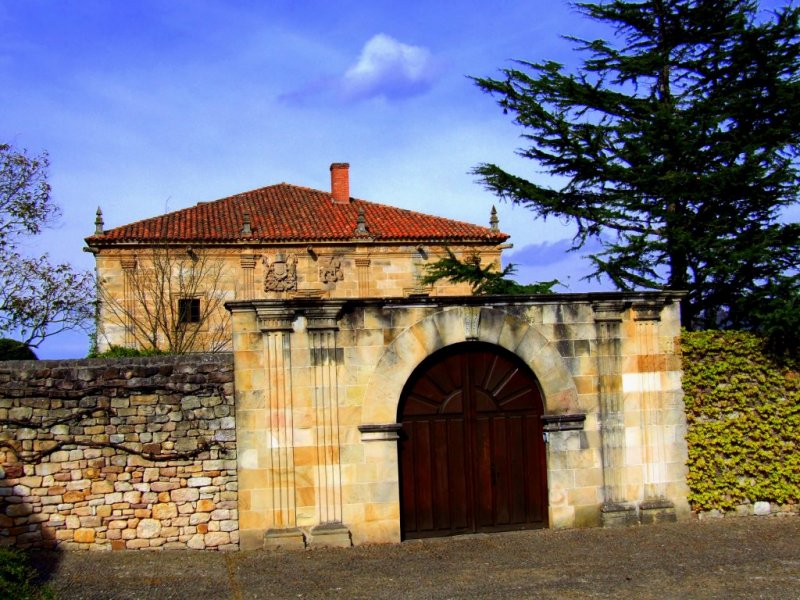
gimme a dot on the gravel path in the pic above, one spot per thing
(747, 557)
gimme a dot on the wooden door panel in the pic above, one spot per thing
(457, 476)
(441, 476)
(434, 494)
(501, 472)
(517, 469)
(482, 462)
(423, 500)
(472, 456)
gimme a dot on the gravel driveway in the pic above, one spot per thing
(749, 557)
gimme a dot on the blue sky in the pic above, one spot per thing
(152, 106)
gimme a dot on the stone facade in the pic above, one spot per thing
(318, 384)
(118, 454)
(244, 272)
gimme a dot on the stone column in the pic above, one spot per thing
(275, 322)
(651, 363)
(362, 267)
(325, 359)
(248, 289)
(129, 264)
(616, 509)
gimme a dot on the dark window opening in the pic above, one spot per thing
(189, 310)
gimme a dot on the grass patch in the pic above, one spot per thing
(18, 578)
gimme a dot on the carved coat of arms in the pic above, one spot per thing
(281, 273)
(332, 272)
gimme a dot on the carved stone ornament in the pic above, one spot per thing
(333, 272)
(281, 273)
(472, 317)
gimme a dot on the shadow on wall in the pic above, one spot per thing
(28, 554)
(24, 516)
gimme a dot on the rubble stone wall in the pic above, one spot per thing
(105, 454)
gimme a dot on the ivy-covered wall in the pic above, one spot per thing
(743, 413)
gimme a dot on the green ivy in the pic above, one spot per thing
(743, 411)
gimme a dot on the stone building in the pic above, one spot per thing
(164, 280)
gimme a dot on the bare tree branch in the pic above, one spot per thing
(161, 279)
(37, 299)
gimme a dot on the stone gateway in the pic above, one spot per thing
(374, 420)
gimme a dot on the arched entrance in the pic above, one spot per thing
(472, 454)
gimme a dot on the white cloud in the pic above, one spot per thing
(545, 253)
(390, 68)
(385, 68)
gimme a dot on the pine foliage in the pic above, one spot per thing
(676, 146)
(483, 281)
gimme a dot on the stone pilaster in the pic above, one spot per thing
(128, 300)
(616, 509)
(655, 506)
(362, 268)
(247, 290)
(280, 432)
(325, 359)
(274, 316)
(275, 322)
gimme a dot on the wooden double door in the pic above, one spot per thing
(472, 454)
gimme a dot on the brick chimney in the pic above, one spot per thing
(340, 182)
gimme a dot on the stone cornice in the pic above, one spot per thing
(608, 310)
(647, 311)
(301, 305)
(274, 316)
(279, 315)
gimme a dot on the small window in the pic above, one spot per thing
(189, 310)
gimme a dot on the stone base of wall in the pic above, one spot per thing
(619, 515)
(657, 511)
(331, 535)
(758, 509)
(646, 513)
(119, 454)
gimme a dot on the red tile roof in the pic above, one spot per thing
(289, 213)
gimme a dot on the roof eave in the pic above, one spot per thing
(104, 242)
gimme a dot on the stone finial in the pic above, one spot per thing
(246, 230)
(361, 222)
(98, 222)
(494, 222)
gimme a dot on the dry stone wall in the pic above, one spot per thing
(105, 454)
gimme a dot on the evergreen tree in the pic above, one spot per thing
(677, 146)
(484, 281)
